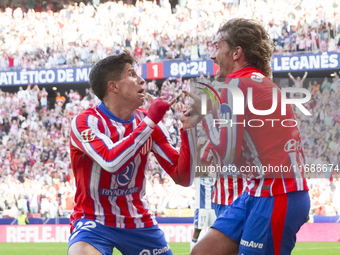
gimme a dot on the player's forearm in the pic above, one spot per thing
(183, 172)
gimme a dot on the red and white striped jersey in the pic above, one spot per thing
(109, 157)
(253, 147)
(229, 185)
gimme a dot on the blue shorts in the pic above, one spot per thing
(219, 209)
(265, 225)
(142, 241)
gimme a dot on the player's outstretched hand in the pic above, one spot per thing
(195, 108)
(158, 108)
(187, 120)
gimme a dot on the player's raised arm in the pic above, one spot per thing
(180, 165)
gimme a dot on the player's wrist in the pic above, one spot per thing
(157, 110)
(149, 122)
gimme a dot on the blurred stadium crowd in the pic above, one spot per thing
(44, 36)
(35, 171)
(36, 175)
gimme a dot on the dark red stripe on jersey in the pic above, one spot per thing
(215, 192)
(111, 128)
(78, 143)
(136, 201)
(230, 189)
(121, 201)
(223, 200)
(239, 185)
(105, 183)
(82, 175)
(278, 185)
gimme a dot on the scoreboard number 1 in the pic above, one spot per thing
(155, 70)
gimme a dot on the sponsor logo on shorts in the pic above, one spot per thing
(145, 252)
(161, 251)
(251, 244)
(155, 251)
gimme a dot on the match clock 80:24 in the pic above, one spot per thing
(192, 68)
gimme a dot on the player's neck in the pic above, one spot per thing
(122, 111)
(236, 67)
(239, 66)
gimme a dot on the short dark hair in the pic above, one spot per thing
(108, 69)
(254, 40)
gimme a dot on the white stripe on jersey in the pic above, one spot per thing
(235, 187)
(191, 134)
(227, 158)
(120, 129)
(225, 188)
(250, 184)
(139, 114)
(218, 190)
(228, 193)
(283, 183)
(106, 128)
(259, 188)
(93, 122)
(233, 131)
(74, 143)
(113, 201)
(146, 205)
(297, 173)
(134, 124)
(129, 199)
(94, 192)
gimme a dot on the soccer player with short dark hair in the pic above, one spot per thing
(109, 150)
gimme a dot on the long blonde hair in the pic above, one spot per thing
(254, 40)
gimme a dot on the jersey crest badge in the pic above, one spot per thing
(88, 135)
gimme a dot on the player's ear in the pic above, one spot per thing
(237, 53)
(112, 86)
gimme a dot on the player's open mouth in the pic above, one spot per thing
(141, 91)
